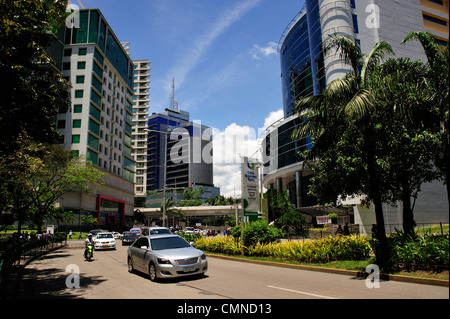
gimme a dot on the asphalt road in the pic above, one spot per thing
(106, 277)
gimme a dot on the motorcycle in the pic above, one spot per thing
(89, 252)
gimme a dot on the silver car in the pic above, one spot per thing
(165, 256)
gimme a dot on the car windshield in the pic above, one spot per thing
(168, 243)
(160, 231)
(130, 235)
(100, 236)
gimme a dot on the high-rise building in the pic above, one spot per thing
(176, 145)
(141, 90)
(305, 70)
(98, 126)
(140, 125)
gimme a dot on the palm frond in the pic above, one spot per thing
(360, 105)
(427, 40)
(308, 103)
(375, 57)
(348, 49)
(341, 88)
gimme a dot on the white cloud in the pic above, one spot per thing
(260, 52)
(236, 141)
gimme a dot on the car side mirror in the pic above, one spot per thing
(191, 243)
(144, 247)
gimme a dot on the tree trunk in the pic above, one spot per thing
(381, 249)
(408, 216)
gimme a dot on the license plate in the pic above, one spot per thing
(105, 245)
(189, 268)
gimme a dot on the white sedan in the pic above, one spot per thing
(104, 241)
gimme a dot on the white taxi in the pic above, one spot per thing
(104, 241)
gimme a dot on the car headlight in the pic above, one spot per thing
(163, 261)
(203, 257)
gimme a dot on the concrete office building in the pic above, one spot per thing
(98, 125)
(306, 71)
(175, 149)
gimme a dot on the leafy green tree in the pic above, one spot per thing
(438, 92)
(292, 221)
(32, 91)
(348, 104)
(279, 203)
(404, 121)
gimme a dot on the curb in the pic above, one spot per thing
(357, 274)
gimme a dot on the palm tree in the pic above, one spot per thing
(349, 101)
(438, 85)
(171, 211)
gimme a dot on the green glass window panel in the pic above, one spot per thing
(75, 139)
(81, 65)
(93, 142)
(93, 26)
(80, 79)
(102, 35)
(75, 154)
(128, 175)
(79, 35)
(76, 124)
(94, 127)
(98, 56)
(127, 128)
(79, 94)
(77, 108)
(128, 106)
(127, 139)
(98, 70)
(115, 54)
(94, 112)
(97, 84)
(82, 51)
(97, 99)
(129, 164)
(126, 150)
(128, 117)
(91, 156)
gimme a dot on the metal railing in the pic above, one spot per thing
(15, 254)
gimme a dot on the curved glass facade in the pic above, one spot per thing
(301, 58)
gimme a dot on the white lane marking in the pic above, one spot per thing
(301, 292)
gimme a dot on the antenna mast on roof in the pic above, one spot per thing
(173, 102)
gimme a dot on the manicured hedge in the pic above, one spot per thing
(353, 247)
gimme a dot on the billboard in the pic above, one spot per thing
(250, 188)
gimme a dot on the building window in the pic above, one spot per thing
(76, 124)
(82, 51)
(355, 23)
(77, 108)
(434, 20)
(78, 94)
(61, 124)
(67, 52)
(75, 139)
(66, 66)
(80, 79)
(81, 65)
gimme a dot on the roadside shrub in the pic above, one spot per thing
(426, 250)
(257, 232)
(353, 247)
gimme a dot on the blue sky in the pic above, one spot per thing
(222, 54)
